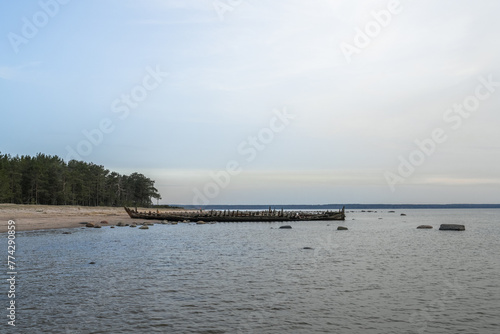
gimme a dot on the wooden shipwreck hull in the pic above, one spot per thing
(239, 216)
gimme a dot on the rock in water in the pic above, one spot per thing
(285, 226)
(90, 225)
(342, 228)
(144, 227)
(424, 227)
(452, 227)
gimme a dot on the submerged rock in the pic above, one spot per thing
(285, 226)
(424, 227)
(307, 248)
(452, 227)
(342, 228)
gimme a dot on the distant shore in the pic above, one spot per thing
(347, 206)
(40, 217)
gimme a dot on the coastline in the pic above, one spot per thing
(41, 217)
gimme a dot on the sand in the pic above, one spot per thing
(39, 217)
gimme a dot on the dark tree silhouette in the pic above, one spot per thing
(45, 179)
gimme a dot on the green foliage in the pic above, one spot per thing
(49, 180)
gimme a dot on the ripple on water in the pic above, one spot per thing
(384, 276)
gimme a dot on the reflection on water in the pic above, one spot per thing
(380, 276)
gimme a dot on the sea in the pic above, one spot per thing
(382, 275)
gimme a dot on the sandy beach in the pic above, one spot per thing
(38, 217)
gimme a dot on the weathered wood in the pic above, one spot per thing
(240, 216)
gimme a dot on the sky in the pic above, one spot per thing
(261, 102)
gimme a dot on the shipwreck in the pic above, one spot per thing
(271, 215)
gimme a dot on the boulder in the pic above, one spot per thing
(452, 227)
(133, 225)
(144, 227)
(422, 227)
(342, 228)
(90, 225)
(285, 226)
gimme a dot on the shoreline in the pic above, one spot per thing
(42, 217)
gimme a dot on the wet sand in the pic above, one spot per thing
(38, 217)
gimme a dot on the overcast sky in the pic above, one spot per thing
(262, 102)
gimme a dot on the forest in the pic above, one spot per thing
(45, 179)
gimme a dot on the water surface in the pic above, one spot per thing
(381, 276)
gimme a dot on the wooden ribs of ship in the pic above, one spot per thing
(271, 215)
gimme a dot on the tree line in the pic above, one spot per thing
(45, 179)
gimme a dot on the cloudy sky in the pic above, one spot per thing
(262, 102)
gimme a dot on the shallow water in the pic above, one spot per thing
(380, 276)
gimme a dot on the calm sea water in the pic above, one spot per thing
(381, 276)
